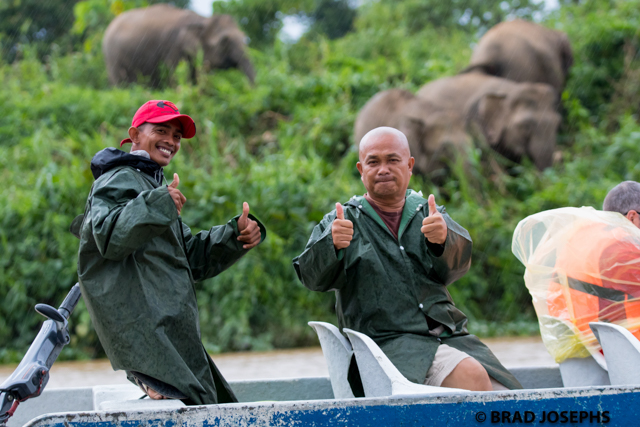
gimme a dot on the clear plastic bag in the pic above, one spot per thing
(582, 265)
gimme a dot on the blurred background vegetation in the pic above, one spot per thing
(285, 146)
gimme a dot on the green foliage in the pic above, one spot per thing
(606, 40)
(333, 18)
(261, 20)
(32, 21)
(472, 15)
(285, 146)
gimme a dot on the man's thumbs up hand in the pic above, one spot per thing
(244, 218)
(248, 229)
(176, 195)
(341, 229)
(432, 205)
(175, 182)
(434, 227)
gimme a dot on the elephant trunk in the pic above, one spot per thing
(542, 144)
(247, 68)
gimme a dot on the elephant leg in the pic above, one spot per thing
(194, 72)
(155, 80)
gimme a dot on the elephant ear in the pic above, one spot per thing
(189, 37)
(566, 54)
(219, 28)
(412, 127)
(415, 129)
(412, 122)
(490, 113)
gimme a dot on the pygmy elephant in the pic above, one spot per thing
(515, 119)
(435, 136)
(140, 41)
(524, 52)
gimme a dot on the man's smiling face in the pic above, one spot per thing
(160, 140)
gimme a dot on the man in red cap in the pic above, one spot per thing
(138, 262)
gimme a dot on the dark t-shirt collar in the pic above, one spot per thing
(391, 219)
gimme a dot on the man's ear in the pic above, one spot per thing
(359, 166)
(412, 161)
(133, 134)
(634, 217)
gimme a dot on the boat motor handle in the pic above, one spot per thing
(70, 302)
(50, 313)
(32, 374)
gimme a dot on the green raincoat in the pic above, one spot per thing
(393, 289)
(137, 266)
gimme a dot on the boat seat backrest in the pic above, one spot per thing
(376, 370)
(337, 353)
(577, 370)
(583, 372)
(380, 377)
(621, 351)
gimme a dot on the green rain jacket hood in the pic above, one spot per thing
(392, 289)
(137, 266)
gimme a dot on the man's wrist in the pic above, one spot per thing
(436, 249)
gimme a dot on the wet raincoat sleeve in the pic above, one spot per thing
(212, 251)
(124, 216)
(454, 261)
(320, 267)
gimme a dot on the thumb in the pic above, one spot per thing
(339, 211)
(432, 205)
(175, 182)
(245, 210)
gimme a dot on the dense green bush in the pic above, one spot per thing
(606, 44)
(471, 15)
(261, 20)
(285, 146)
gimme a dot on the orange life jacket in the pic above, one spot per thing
(597, 278)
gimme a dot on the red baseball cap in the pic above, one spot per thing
(156, 111)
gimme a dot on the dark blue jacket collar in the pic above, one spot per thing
(110, 158)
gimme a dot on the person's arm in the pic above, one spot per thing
(320, 267)
(452, 259)
(212, 251)
(619, 265)
(124, 217)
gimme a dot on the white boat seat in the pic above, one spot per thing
(337, 353)
(576, 371)
(584, 372)
(379, 377)
(127, 397)
(621, 351)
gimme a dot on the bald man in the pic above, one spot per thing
(389, 256)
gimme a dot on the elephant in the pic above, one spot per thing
(140, 41)
(435, 136)
(524, 52)
(515, 119)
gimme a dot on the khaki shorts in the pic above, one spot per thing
(445, 361)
